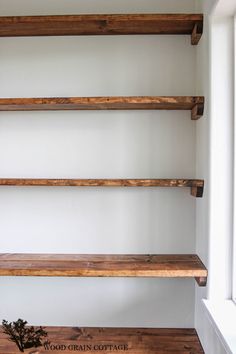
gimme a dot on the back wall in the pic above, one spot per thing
(101, 144)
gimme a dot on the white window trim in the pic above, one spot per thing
(234, 231)
(223, 319)
(219, 307)
(221, 129)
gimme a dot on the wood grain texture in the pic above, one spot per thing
(138, 340)
(102, 182)
(195, 185)
(76, 265)
(105, 103)
(120, 24)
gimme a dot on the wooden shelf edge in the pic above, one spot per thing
(196, 186)
(112, 24)
(193, 103)
(75, 265)
(104, 340)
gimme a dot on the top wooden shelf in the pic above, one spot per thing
(193, 103)
(128, 24)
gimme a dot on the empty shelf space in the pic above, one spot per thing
(121, 24)
(74, 265)
(109, 340)
(196, 185)
(195, 104)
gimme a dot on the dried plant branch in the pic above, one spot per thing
(23, 336)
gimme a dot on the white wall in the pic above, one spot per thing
(97, 145)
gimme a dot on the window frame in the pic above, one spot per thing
(234, 212)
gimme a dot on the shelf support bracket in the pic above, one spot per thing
(197, 111)
(196, 34)
(197, 191)
(202, 281)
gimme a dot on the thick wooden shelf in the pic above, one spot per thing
(74, 265)
(195, 104)
(70, 25)
(196, 185)
(137, 340)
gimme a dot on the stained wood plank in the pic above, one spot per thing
(120, 24)
(193, 103)
(76, 265)
(137, 340)
(195, 185)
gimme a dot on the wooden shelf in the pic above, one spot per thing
(138, 340)
(196, 185)
(195, 104)
(70, 25)
(68, 265)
